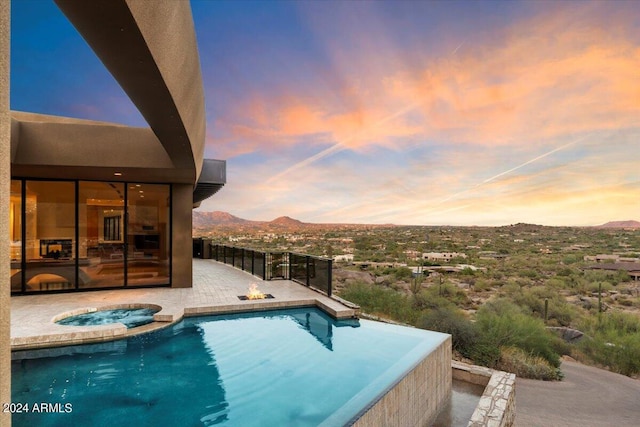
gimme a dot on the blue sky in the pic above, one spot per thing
(410, 112)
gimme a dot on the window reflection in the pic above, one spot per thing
(123, 235)
(148, 234)
(100, 226)
(15, 234)
(50, 236)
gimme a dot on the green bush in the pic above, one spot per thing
(485, 353)
(402, 273)
(448, 291)
(504, 324)
(603, 286)
(451, 321)
(482, 285)
(525, 365)
(425, 300)
(381, 301)
(559, 313)
(613, 341)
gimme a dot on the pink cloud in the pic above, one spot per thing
(550, 76)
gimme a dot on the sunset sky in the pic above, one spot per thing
(409, 112)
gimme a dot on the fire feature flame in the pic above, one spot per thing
(255, 293)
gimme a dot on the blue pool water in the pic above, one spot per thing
(130, 317)
(278, 368)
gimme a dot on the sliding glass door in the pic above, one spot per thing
(101, 234)
(15, 234)
(148, 234)
(50, 236)
(67, 235)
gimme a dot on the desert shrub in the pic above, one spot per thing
(403, 273)
(482, 285)
(380, 301)
(484, 352)
(613, 341)
(571, 259)
(531, 274)
(525, 365)
(426, 300)
(448, 291)
(468, 272)
(593, 286)
(621, 276)
(559, 312)
(451, 321)
(624, 301)
(504, 324)
(509, 289)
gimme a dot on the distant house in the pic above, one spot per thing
(633, 268)
(442, 256)
(491, 255)
(412, 254)
(610, 258)
(343, 258)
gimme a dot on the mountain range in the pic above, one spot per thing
(620, 224)
(218, 218)
(206, 220)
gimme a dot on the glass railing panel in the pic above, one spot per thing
(298, 268)
(304, 269)
(259, 261)
(248, 261)
(320, 274)
(279, 267)
(237, 257)
(228, 255)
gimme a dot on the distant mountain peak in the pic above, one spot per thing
(620, 224)
(286, 220)
(216, 218)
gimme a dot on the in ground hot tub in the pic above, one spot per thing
(128, 315)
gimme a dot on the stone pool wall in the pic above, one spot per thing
(497, 406)
(416, 399)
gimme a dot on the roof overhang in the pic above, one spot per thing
(150, 49)
(212, 179)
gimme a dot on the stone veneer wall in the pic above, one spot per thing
(5, 180)
(417, 398)
(497, 406)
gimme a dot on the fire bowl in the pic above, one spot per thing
(246, 298)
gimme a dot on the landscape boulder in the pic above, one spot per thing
(567, 334)
(346, 277)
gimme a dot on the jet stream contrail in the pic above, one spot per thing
(513, 169)
(433, 206)
(336, 148)
(531, 161)
(340, 146)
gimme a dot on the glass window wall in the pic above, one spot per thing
(50, 236)
(67, 235)
(101, 234)
(15, 234)
(148, 234)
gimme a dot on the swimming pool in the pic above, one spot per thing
(296, 367)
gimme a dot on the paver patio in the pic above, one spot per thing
(216, 287)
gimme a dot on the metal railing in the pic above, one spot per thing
(308, 270)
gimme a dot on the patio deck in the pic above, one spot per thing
(216, 287)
